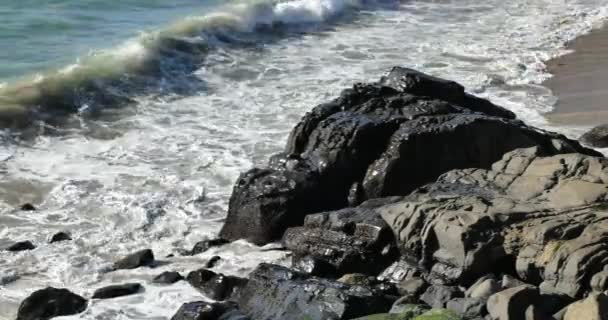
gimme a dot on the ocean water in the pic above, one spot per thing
(127, 122)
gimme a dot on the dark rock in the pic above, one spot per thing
(275, 292)
(201, 310)
(135, 260)
(511, 304)
(313, 266)
(215, 285)
(115, 291)
(212, 261)
(437, 296)
(204, 245)
(353, 240)
(168, 277)
(596, 137)
(376, 140)
(27, 207)
(468, 308)
(21, 246)
(60, 236)
(551, 303)
(50, 302)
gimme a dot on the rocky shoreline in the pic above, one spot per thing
(406, 198)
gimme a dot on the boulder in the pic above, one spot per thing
(404, 308)
(27, 207)
(313, 266)
(484, 288)
(468, 308)
(412, 287)
(49, 303)
(135, 260)
(352, 240)
(437, 296)
(201, 310)
(376, 140)
(596, 137)
(276, 292)
(21, 246)
(115, 291)
(594, 307)
(539, 216)
(513, 303)
(215, 285)
(60, 236)
(168, 277)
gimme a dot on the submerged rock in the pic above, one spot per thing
(21, 246)
(27, 207)
(275, 292)
(205, 245)
(116, 291)
(596, 137)
(135, 260)
(376, 140)
(50, 302)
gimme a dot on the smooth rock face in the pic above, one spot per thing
(596, 137)
(594, 307)
(135, 260)
(275, 292)
(215, 285)
(512, 303)
(353, 240)
(201, 310)
(50, 302)
(21, 246)
(376, 140)
(543, 217)
(117, 291)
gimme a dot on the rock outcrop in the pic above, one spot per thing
(376, 140)
(542, 217)
(596, 137)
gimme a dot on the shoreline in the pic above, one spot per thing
(578, 82)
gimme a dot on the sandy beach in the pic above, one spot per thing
(580, 80)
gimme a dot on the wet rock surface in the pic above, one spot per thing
(21, 246)
(135, 260)
(376, 140)
(201, 310)
(49, 303)
(596, 137)
(215, 285)
(116, 291)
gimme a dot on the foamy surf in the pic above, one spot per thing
(160, 173)
(158, 62)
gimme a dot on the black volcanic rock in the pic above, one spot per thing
(50, 302)
(135, 260)
(596, 137)
(201, 310)
(116, 291)
(275, 292)
(215, 285)
(377, 140)
(21, 246)
(168, 277)
(60, 236)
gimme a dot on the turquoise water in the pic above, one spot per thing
(41, 35)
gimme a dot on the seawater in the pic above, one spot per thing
(139, 115)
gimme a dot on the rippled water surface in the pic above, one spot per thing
(156, 169)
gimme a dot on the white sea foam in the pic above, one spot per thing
(159, 173)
